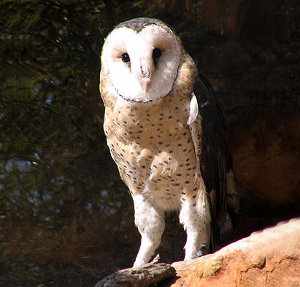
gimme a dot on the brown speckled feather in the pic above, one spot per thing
(152, 142)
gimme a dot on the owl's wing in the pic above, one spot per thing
(208, 132)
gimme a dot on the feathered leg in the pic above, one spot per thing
(150, 223)
(196, 219)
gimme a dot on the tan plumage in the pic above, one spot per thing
(152, 141)
(155, 136)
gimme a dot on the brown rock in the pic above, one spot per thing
(266, 160)
(268, 258)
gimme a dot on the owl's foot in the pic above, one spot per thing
(139, 262)
(204, 249)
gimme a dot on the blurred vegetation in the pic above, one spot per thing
(51, 135)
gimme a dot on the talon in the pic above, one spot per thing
(155, 259)
(204, 250)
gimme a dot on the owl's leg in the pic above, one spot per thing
(150, 223)
(195, 217)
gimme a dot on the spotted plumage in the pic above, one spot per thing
(154, 131)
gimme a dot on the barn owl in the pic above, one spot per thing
(155, 122)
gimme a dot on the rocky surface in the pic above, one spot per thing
(267, 258)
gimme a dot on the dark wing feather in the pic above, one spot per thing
(215, 160)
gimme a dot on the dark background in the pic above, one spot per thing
(66, 219)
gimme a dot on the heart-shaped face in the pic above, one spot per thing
(142, 63)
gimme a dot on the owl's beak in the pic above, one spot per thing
(145, 84)
(146, 71)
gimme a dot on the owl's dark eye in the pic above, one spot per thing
(125, 58)
(156, 54)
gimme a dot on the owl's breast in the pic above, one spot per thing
(152, 146)
(148, 123)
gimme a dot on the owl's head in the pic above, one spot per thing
(142, 57)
